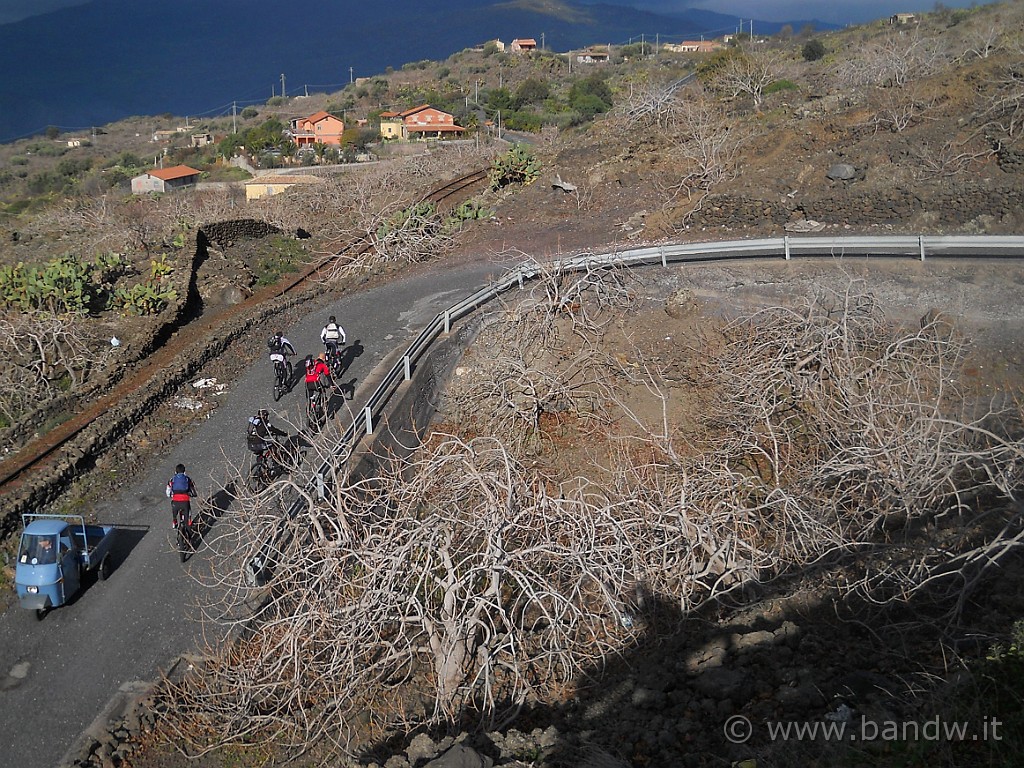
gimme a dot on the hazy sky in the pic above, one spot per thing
(845, 12)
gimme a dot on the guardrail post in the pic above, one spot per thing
(785, 243)
(321, 486)
(407, 365)
(447, 321)
(368, 417)
(520, 276)
(920, 245)
(661, 250)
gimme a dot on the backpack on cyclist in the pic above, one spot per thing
(274, 344)
(179, 483)
(256, 442)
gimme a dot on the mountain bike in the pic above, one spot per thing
(282, 376)
(335, 360)
(316, 409)
(187, 535)
(265, 469)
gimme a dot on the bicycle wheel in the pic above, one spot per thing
(187, 532)
(281, 378)
(261, 474)
(183, 541)
(315, 412)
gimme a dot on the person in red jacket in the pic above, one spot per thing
(318, 373)
(180, 490)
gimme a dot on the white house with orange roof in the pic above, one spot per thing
(320, 127)
(419, 122)
(523, 45)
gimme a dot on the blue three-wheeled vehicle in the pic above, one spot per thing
(57, 553)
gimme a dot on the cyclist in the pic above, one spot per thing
(331, 335)
(280, 348)
(180, 490)
(261, 434)
(318, 374)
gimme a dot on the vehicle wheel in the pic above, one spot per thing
(182, 542)
(103, 572)
(278, 390)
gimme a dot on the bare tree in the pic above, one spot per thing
(897, 109)
(549, 358)
(455, 575)
(45, 354)
(750, 73)
(984, 40)
(650, 105)
(950, 159)
(1003, 107)
(706, 151)
(895, 59)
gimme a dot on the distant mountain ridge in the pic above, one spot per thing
(105, 60)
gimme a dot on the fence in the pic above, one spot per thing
(917, 246)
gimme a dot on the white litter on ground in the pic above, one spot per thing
(211, 383)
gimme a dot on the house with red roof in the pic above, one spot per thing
(320, 127)
(420, 122)
(523, 45)
(165, 179)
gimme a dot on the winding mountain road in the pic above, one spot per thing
(57, 675)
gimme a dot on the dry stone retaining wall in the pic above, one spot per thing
(952, 209)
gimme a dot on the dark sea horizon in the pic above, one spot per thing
(93, 64)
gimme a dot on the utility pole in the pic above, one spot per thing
(234, 122)
(350, 76)
(282, 85)
(306, 87)
(542, 41)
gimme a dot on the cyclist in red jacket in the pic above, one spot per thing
(180, 490)
(318, 373)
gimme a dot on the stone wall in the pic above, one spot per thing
(224, 233)
(950, 209)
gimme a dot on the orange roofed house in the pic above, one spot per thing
(322, 127)
(419, 122)
(165, 179)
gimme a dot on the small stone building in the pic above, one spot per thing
(165, 179)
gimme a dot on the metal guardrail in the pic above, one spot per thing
(918, 246)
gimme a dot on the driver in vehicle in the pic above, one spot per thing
(44, 551)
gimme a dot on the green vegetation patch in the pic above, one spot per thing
(287, 256)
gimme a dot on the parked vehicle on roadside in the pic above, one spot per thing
(56, 555)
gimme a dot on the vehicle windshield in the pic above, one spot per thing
(38, 550)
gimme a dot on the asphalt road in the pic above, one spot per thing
(58, 674)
